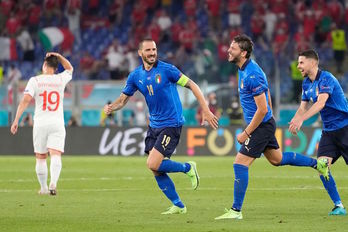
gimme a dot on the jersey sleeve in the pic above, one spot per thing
(326, 85)
(130, 87)
(255, 85)
(174, 74)
(304, 96)
(31, 87)
(66, 76)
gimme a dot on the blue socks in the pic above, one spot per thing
(331, 189)
(241, 179)
(167, 186)
(168, 166)
(296, 159)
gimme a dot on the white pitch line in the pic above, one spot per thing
(150, 177)
(307, 188)
(79, 179)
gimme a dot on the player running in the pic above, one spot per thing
(158, 81)
(323, 90)
(258, 137)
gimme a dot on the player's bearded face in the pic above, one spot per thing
(304, 65)
(149, 52)
(234, 53)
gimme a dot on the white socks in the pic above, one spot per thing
(41, 172)
(340, 205)
(55, 167)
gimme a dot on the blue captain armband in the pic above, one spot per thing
(183, 80)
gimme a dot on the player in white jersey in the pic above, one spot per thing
(48, 132)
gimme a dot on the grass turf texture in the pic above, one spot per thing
(120, 194)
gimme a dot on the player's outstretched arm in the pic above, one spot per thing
(207, 115)
(296, 123)
(300, 111)
(316, 107)
(21, 107)
(65, 62)
(119, 103)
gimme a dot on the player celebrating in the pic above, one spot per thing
(258, 137)
(157, 81)
(48, 131)
(322, 88)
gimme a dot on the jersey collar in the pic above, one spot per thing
(154, 65)
(245, 64)
(318, 75)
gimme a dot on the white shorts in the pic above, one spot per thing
(48, 137)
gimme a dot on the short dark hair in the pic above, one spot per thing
(310, 53)
(142, 42)
(52, 61)
(245, 44)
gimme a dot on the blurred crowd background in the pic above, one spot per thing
(100, 38)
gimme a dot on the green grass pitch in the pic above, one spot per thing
(120, 194)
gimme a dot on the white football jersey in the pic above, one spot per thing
(48, 92)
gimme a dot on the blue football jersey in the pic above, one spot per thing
(158, 85)
(335, 112)
(252, 82)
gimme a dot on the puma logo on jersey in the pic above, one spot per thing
(141, 82)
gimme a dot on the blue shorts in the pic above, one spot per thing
(334, 144)
(163, 139)
(262, 137)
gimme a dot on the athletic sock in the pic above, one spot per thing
(167, 186)
(296, 159)
(55, 168)
(331, 189)
(168, 166)
(241, 180)
(41, 172)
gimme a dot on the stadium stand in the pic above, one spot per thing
(191, 34)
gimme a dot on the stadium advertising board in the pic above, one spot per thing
(129, 141)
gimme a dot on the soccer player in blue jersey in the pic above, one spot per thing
(323, 90)
(258, 137)
(158, 81)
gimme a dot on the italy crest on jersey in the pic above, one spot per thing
(158, 78)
